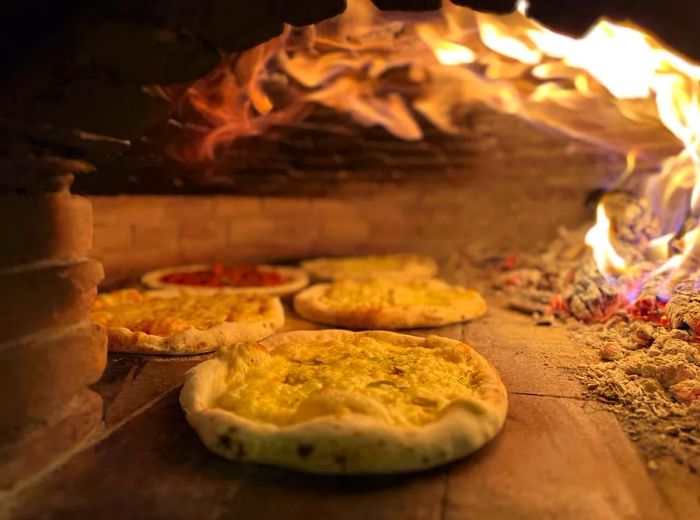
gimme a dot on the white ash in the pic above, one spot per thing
(589, 297)
(651, 378)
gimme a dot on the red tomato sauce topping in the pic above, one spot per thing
(226, 276)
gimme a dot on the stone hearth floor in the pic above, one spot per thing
(559, 455)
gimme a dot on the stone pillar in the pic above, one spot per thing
(50, 352)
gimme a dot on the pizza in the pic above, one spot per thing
(184, 322)
(249, 278)
(399, 265)
(341, 402)
(389, 304)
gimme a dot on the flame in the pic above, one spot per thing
(446, 52)
(658, 248)
(609, 262)
(522, 6)
(616, 86)
(496, 36)
(688, 243)
(630, 65)
(449, 53)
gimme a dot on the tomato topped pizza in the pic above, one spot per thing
(251, 278)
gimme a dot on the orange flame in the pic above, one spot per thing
(616, 86)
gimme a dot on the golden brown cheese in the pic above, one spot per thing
(413, 384)
(398, 265)
(161, 316)
(378, 293)
(368, 264)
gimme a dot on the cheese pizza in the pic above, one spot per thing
(345, 402)
(395, 266)
(388, 303)
(182, 322)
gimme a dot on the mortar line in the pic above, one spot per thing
(535, 394)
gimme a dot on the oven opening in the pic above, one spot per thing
(186, 185)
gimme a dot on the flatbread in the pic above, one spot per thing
(389, 304)
(341, 402)
(295, 279)
(176, 323)
(387, 266)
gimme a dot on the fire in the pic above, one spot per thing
(616, 86)
(630, 65)
(449, 53)
(609, 262)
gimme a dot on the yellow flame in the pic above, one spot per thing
(498, 38)
(688, 244)
(657, 249)
(449, 53)
(630, 65)
(522, 6)
(609, 262)
(446, 51)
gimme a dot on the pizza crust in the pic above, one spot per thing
(350, 443)
(298, 279)
(314, 305)
(193, 341)
(336, 268)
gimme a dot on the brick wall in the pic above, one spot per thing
(135, 233)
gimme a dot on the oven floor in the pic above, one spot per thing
(559, 455)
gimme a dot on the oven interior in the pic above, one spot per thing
(545, 153)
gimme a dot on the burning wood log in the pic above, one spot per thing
(590, 297)
(683, 311)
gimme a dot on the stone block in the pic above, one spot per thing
(163, 234)
(332, 209)
(44, 227)
(201, 250)
(63, 431)
(185, 208)
(139, 209)
(39, 374)
(275, 207)
(349, 231)
(111, 237)
(252, 231)
(202, 229)
(46, 296)
(233, 208)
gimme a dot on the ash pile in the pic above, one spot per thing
(643, 319)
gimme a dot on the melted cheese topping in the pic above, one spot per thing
(382, 293)
(360, 266)
(402, 385)
(162, 316)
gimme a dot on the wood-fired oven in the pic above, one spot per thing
(546, 153)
